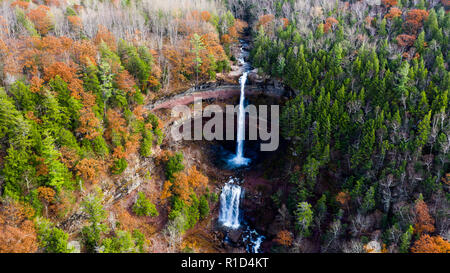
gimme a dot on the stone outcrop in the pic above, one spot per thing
(218, 92)
(255, 77)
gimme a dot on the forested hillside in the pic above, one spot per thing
(367, 124)
(74, 76)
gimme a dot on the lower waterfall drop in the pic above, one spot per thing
(229, 205)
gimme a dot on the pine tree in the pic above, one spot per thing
(304, 217)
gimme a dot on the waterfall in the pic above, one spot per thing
(239, 159)
(229, 205)
(230, 197)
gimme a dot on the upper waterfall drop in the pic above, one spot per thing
(239, 159)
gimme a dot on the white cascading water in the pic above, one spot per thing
(253, 240)
(239, 159)
(229, 205)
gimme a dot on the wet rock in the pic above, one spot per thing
(246, 46)
(235, 235)
(230, 249)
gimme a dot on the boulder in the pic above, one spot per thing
(255, 76)
(235, 235)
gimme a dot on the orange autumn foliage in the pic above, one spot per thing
(126, 82)
(104, 35)
(428, 244)
(423, 222)
(75, 22)
(84, 52)
(40, 18)
(418, 15)
(285, 22)
(284, 237)
(330, 22)
(21, 4)
(116, 123)
(36, 84)
(17, 231)
(30, 115)
(206, 16)
(69, 156)
(54, 2)
(368, 20)
(41, 168)
(166, 193)
(389, 3)
(414, 20)
(118, 152)
(226, 39)
(186, 183)
(34, 53)
(47, 194)
(132, 145)
(89, 123)
(129, 222)
(404, 40)
(393, 12)
(343, 198)
(139, 112)
(163, 156)
(446, 179)
(265, 20)
(90, 169)
(68, 74)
